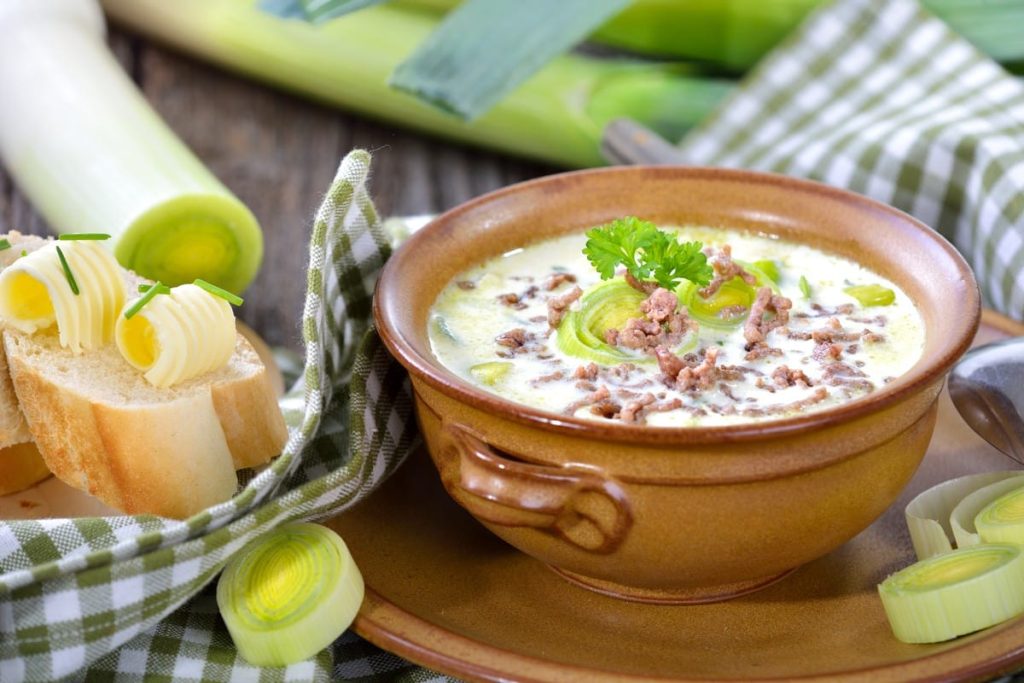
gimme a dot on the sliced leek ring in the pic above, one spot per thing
(956, 593)
(735, 292)
(490, 373)
(1002, 520)
(289, 594)
(769, 268)
(962, 518)
(928, 515)
(607, 305)
(871, 295)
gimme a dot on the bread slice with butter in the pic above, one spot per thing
(101, 427)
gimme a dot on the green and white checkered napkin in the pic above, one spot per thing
(873, 95)
(74, 591)
(882, 98)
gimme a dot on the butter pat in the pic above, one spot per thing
(178, 336)
(35, 294)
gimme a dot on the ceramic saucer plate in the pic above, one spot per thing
(445, 593)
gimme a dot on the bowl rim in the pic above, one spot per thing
(449, 384)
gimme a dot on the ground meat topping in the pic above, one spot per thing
(601, 394)
(784, 377)
(465, 285)
(638, 334)
(819, 311)
(633, 412)
(587, 372)
(702, 376)
(660, 305)
(879, 320)
(851, 379)
(662, 324)
(553, 281)
(725, 269)
(825, 352)
(872, 337)
(833, 332)
(544, 379)
(759, 350)
(669, 362)
(645, 287)
(558, 305)
(607, 409)
(757, 327)
(513, 339)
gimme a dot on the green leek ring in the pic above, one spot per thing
(607, 305)
(289, 594)
(734, 292)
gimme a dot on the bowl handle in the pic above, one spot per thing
(577, 504)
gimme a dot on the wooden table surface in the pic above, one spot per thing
(278, 153)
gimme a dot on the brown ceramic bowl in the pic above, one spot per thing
(676, 514)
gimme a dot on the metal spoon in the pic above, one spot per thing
(987, 387)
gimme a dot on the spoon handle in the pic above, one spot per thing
(627, 142)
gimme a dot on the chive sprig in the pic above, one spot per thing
(156, 288)
(67, 272)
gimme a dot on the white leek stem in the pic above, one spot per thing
(84, 145)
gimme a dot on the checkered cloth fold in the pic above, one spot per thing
(882, 98)
(73, 591)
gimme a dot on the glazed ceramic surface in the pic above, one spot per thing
(684, 514)
(447, 594)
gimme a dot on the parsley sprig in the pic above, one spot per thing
(647, 252)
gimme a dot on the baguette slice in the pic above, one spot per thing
(172, 452)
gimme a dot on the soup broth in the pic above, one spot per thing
(789, 329)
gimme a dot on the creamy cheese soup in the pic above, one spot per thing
(782, 329)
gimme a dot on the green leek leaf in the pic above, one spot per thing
(315, 11)
(286, 9)
(805, 287)
(486, 48)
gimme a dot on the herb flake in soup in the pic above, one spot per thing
(687, 326)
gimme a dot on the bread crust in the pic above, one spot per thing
(172, 458)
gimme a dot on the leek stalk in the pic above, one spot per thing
(557, 115)
(737, 33)
(91, 155)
